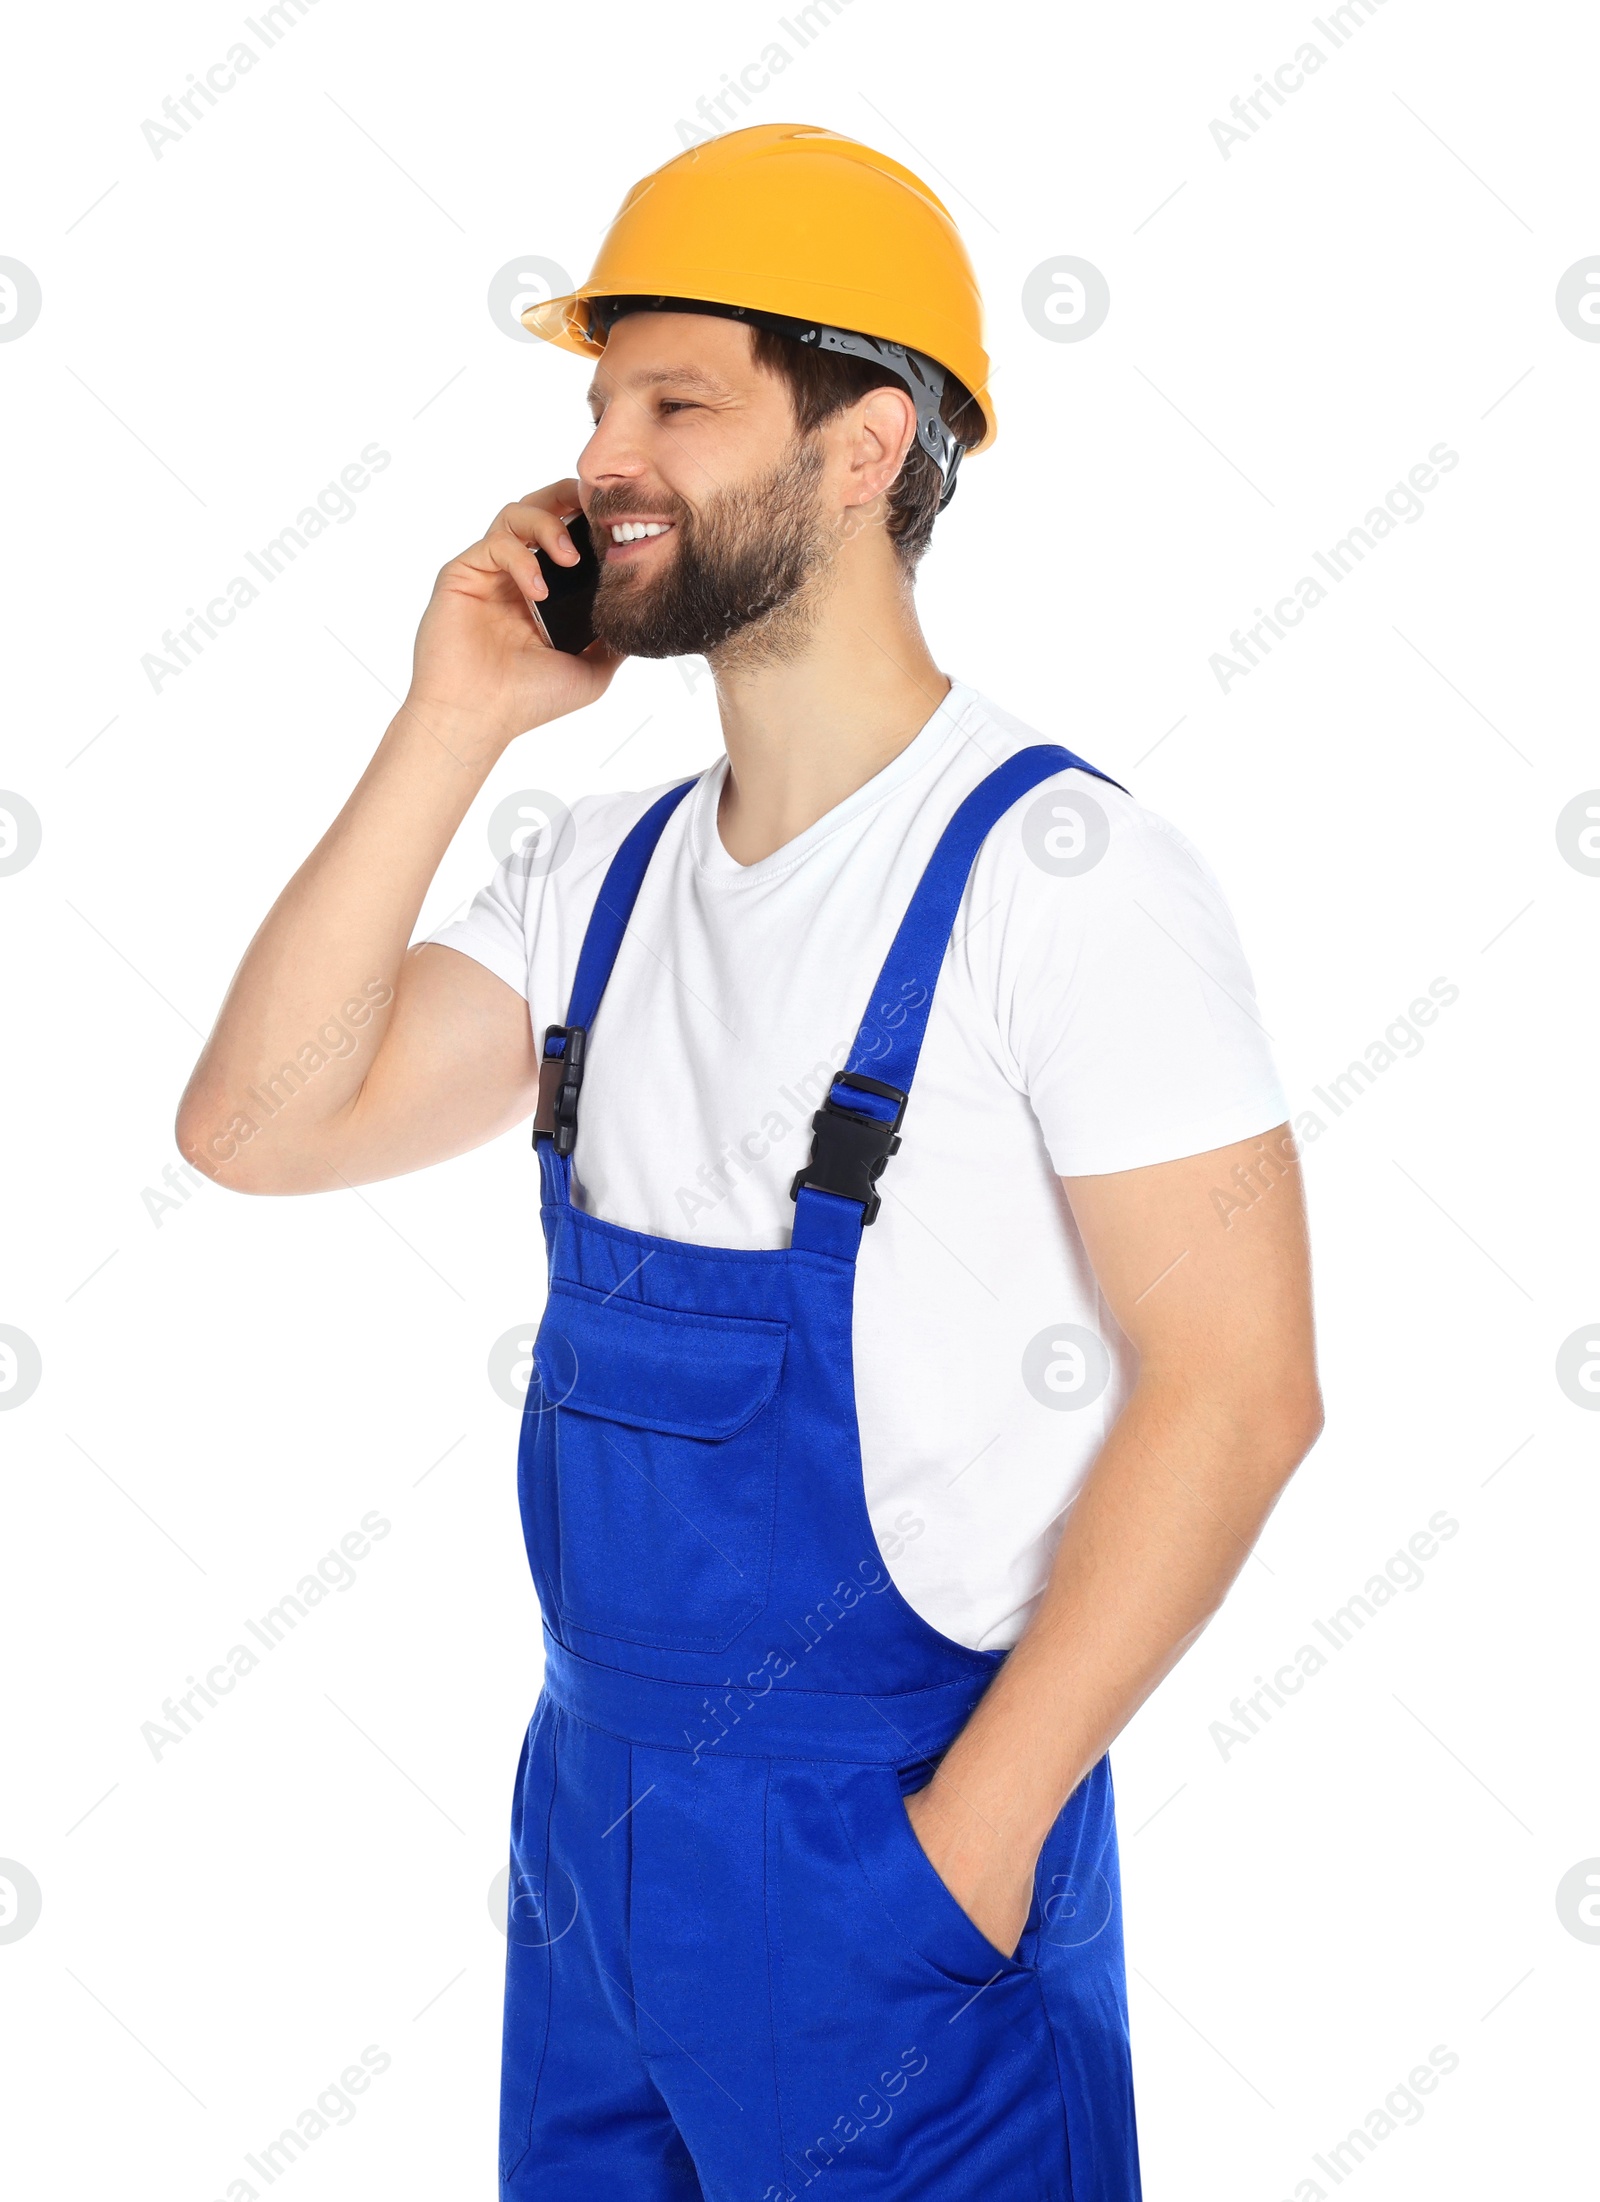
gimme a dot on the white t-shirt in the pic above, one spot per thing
(1094, 1012)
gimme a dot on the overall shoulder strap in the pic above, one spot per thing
(561, 1057)
(857, 1128)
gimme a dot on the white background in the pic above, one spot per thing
(228, 1389)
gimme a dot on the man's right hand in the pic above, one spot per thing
(481, 662)
(446, 1057)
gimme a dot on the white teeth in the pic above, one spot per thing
(630, 531)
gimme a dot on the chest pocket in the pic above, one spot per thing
(656, 1436)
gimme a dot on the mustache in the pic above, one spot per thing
(607, 505)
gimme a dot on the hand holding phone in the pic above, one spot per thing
(507, 642)
(567, 613)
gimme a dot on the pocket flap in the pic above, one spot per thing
(689, 1375)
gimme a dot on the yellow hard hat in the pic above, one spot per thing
(804, 229)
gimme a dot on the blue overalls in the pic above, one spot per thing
(733, 1973)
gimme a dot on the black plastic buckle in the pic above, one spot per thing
(849, 1150)
(560, 1076)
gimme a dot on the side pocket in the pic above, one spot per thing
(907, 1883)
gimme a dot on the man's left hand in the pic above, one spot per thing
(987, 1876)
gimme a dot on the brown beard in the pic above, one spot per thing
(740, 564)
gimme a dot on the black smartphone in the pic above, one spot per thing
(567, 613)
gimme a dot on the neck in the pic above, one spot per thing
(815, 713)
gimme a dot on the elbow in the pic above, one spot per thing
(1265, 1426)
(1287, 1425)
(195, 1136)
(1307, 1417)
(215, 1140)
(253, 1154)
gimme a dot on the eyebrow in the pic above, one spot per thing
(688, 378)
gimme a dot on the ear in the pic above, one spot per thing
(878, 432)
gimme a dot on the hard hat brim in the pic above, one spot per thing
(564, 322)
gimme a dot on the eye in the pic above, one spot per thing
(679, 405)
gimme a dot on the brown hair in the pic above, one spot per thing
(822, 384)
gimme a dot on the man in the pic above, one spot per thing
(858, 1535)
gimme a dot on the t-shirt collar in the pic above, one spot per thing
(713, 860)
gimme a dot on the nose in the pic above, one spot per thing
(613, 457)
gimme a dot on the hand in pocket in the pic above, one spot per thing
(991, 1883)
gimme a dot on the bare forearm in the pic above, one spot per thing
(284, 1097)
(317, 984)
(1159, 1531)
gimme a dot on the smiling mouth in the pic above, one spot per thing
(630, 539)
